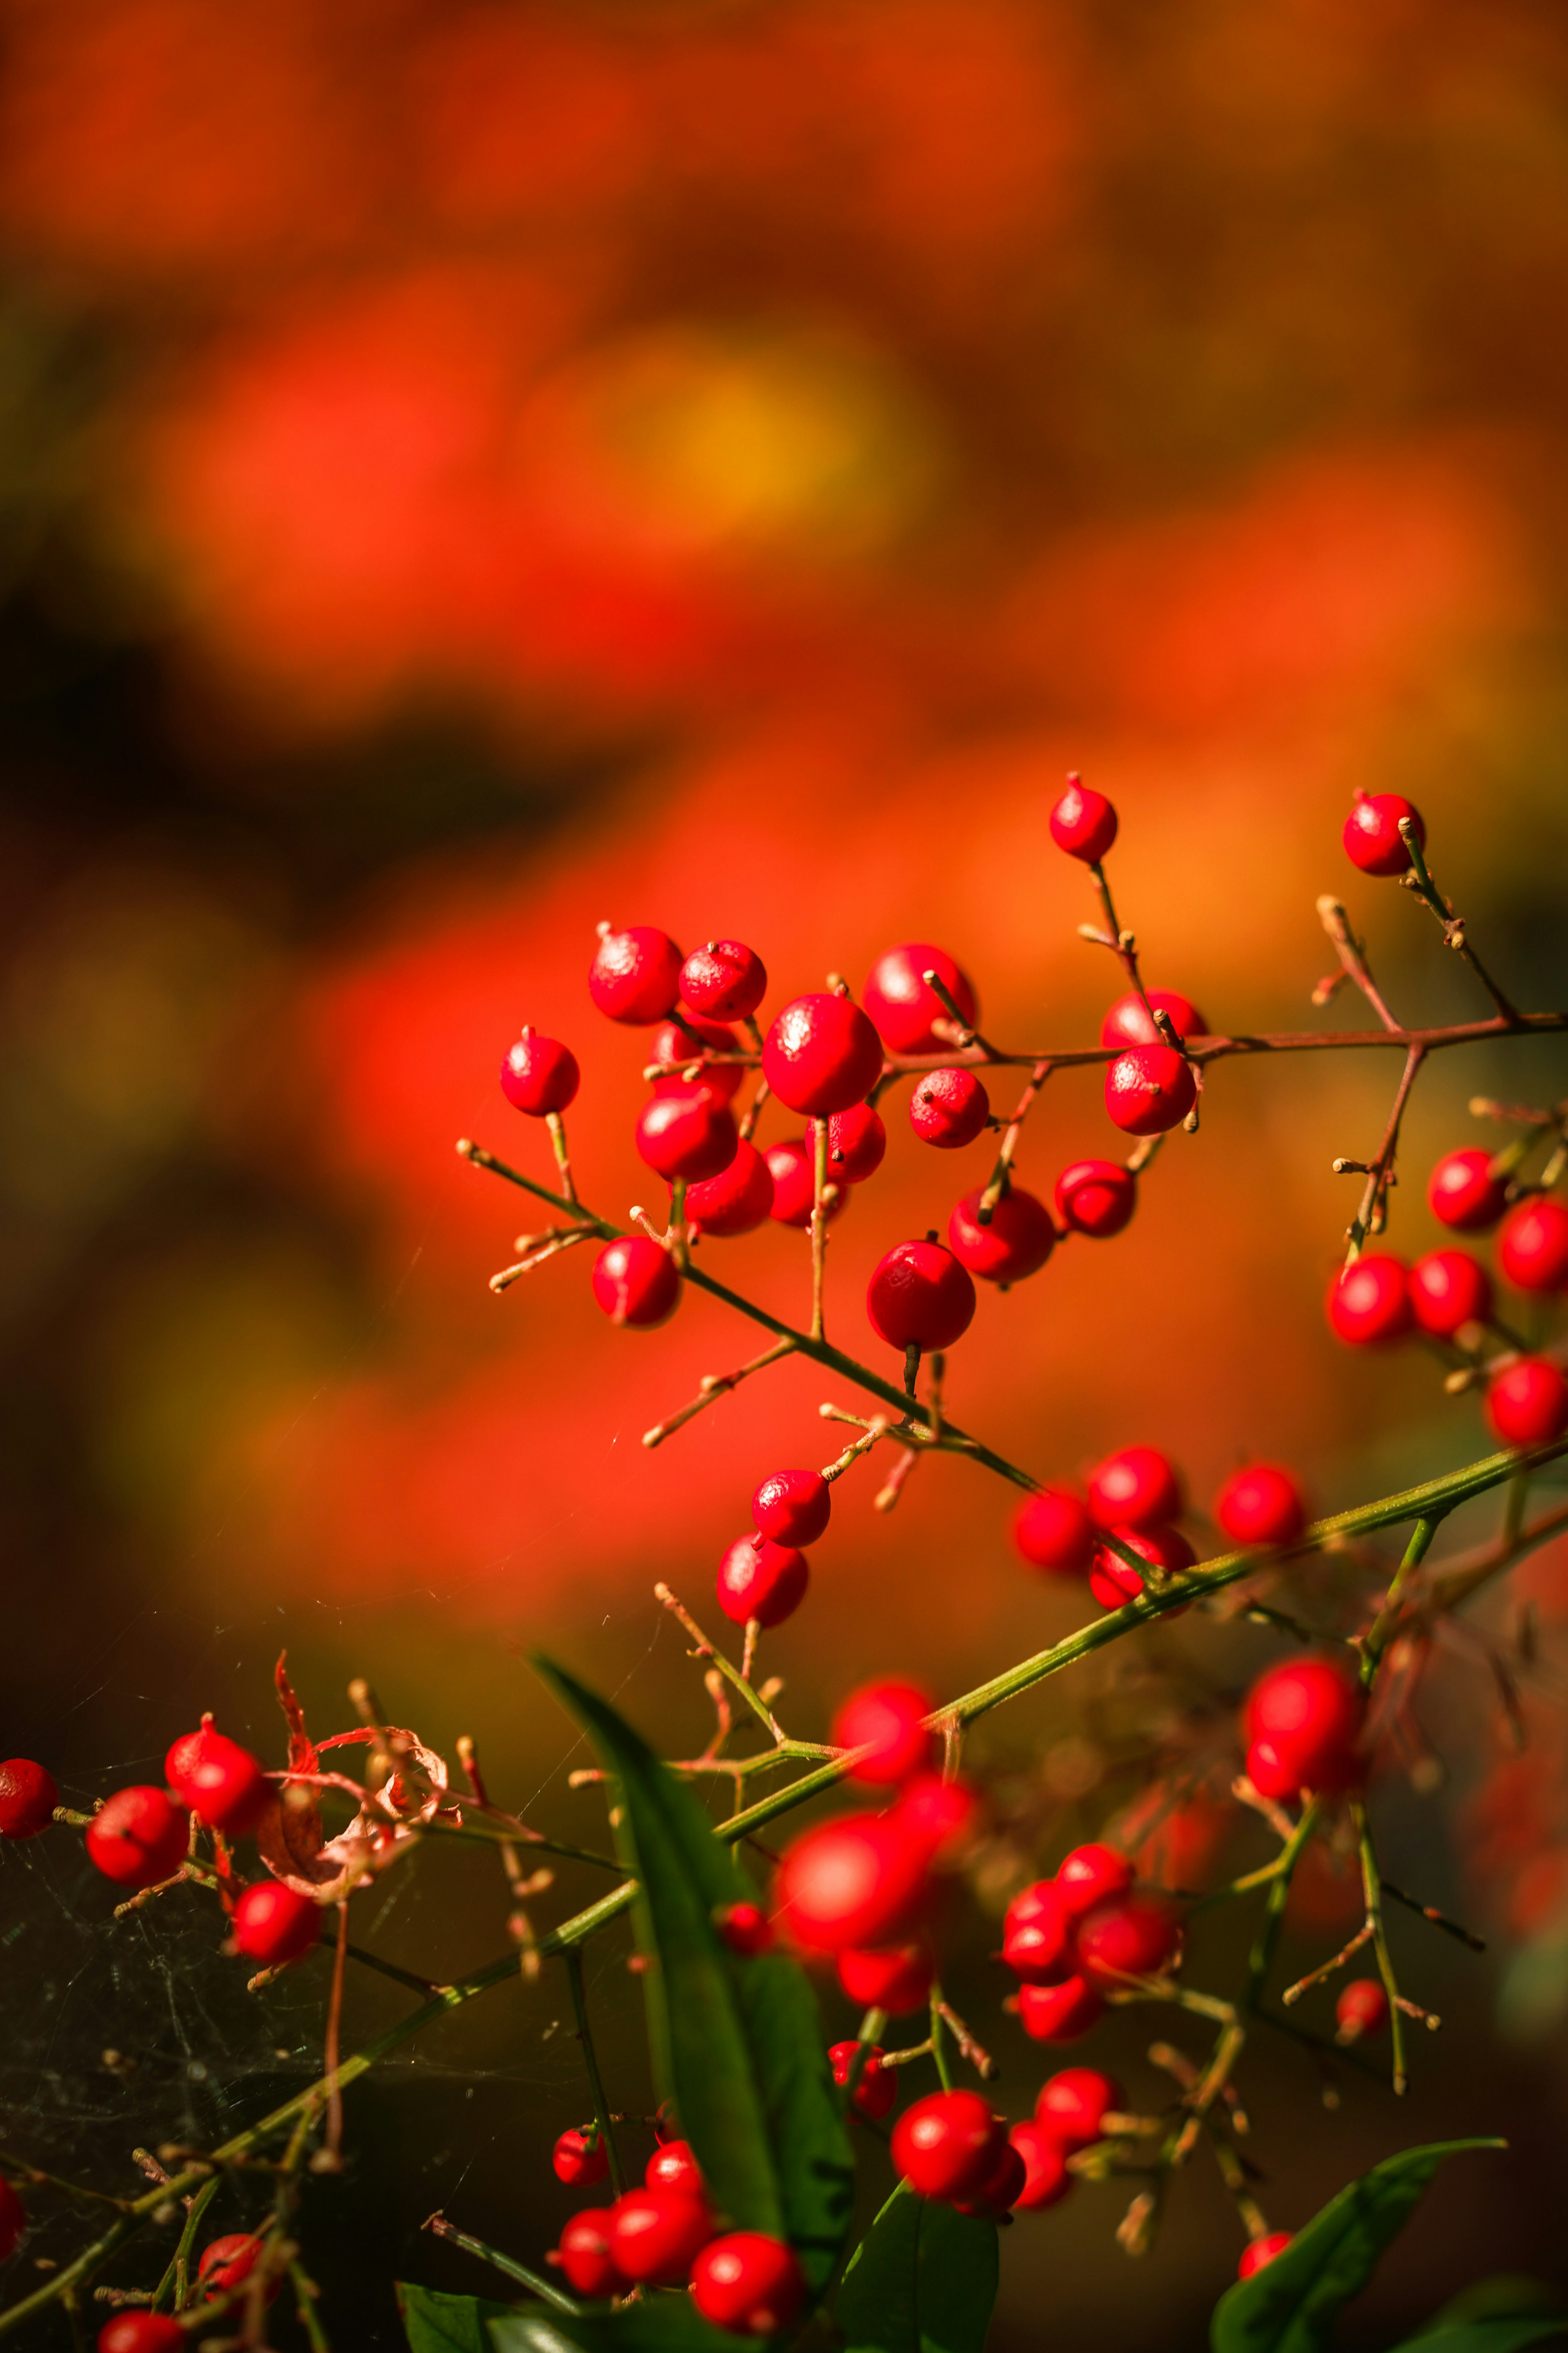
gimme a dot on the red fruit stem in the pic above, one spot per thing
(1372, 1214)
(818, 1227)
(591, 2062)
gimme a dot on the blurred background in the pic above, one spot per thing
(470, 470)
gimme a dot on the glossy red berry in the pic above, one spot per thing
(576, 2157)
(821, 1055)
(635, 1283)
(656, 2235)
(1135, 1488)
(675, 1044)
(791, 1507)
(227, 2263)
(748, 2282)
(1527, 1404)
(857, 1140)
(584, 2254)
(1046, 2177)
(888, 1719)
(945, 2145)
(672, 2166)
(138, 1837)
(949, 1108)
(1135, 1934)
(726, 980)
(939, 1818)
(761, 1580)
(1089, 1874)
(794, 1173)
(1053, 1531)
(1096, 1197)
(746, 1929)
(13, 2220)
(920, 1297)
(1306, 1716)
(896, 1978)
(1083, 823)
(1447, 1289)
(1369, 1302)
(141, 2332)
(1063, 2013)
(1361, 2008)
(1003, 2186)
(1532, 1248)
(1463, 1193)
(27, 1798)
(877, 2088)
(1074, 2104)
(218, 1781)
(857, 1880)
(1258, 2254)
(1149, 1089)
(1260, 1505)
(1018, 1241)
(1372, 837)
(903, 1006)
(635, 975)
(1035, 1934)
(736, 1201)
(686, 1133)
(1113, 1580)
(1128, 1021)
(272, 1923)
(539, 1075)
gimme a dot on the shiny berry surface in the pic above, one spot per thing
(1047, 2181)
(1083, 823)
(726, 980)
(138, 1837)
(1035, 1935)
(1090, 1874)
(1096, 1197)
(1135, 1934)
(887, 1719)
(1128, 1022)
(141, 2332)
(793, 1507)
(896, 1978)
(635, 1283)
(945, 2145)
(1527, 1403)
(635, 975)
(1261, 1504)
(821, 1055)
(1369, 1302)
(1053, 1531)
(877, 2088)
(1113, 1580)
(748, 2282)
(673, 2166)
(226, 2263)
(920, 1297)
(1063, 2013)
(1308, 1715)
(27, 1798)
(1447, 1289)
(1017, 1243)
(1462, 1192)
(949, 1108)
(857, 1880)
(220, 1782)
(1259, 2253)
(857, 1142)
(272, 1923)
(761, 1580)
(903, 1007)
(1074, 2104)
(1361, 2008)
(1149, 1089)
(576, 2159)
(1372, 837)
(1532, 1248)
(686, 1133)
(1137, 1487)
(540, 1075)
(656, 2235)
(674, 1043)
(737, 1201)
(586, 2258)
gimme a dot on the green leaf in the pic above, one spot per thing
(738, 2045)
(435, 2322)
(663, 2324)
(1503, 2334)
(923, 2280)
(1290, 2306)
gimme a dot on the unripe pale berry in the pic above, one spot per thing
(1532, 1248)
(945, 2145)
(1063, 2013)
(1035, 1934)
(672, 2166)
(1372, 837)
(227, 2263)
(1527, 1403)
(635, 1283)
(656, 2235)
(736, 1201)
(1113, 1580)
(1260, 1505)
(141, 2332)
(1089, 1874)
(539, 1075)
(1003, 2186)
(1128, 1022)
(672, 1044)
(949, 1108)
(1306, 1717)
(821, 1055)
(686, 1133)
(1046, 2177)
(635, 975)
(726, 980)
(1150, 1089)
(1361, 2008)
(13, 2220)
(1018, 1241)
(857, 1140)
(1074, 2104)
(1462, 1192)
(761, 1580)
(1135, 1488)
(878, 2086)
(746, 1929)
(748, 2282)
(896, 1978)
(1083, 823)
(857, 1880)
(584, 2254)
(791, 1167)
(218, 1781)
(576, 2159)
(1258, 2254)
(888, 1719)
(1096, 1197)
(902, 1004)
(273, 1924)
(27, 1798)
(1369, 1302)
(1135, 1935)
(138, 1837)
(1053, 1531)
(791, 1507)
(920, 1297)
(1447, 1289)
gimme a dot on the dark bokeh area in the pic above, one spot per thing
(471, 470)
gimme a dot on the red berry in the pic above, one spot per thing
(1046, 2177)
(889, 1719)
(920, 1297)
(138, 1837)
(1259, 2253)
(791, 1507)
(1149, 1089)
(1260, 1505)
(726, 980)
(1053, 1530)
(794, 1173)
(1463, 1193)
(1308, 1714)
(539, 1075)
(1096, 1197)
(673, 1044)
(858, 1880)
(576, 2159)
(938, 1817)
(1113, 1580)
(761, 1580)
(656, 2235)
(218, 1781)
(949, 1108)
(1083, 823)
(1017, 1242)
(1128, 1023)
(27, 1798)
(822, 1055)
(1063, 2013)
(1447, 1289)
(1532, 1248)
(1136, 1488)
(1527, 1404)
(1003, 2186)
(1090, 1874)
(896, 1978)
(945, 2145)
(585, 2252)
(635, 975)
(748, 2282)
(1272, 1772)
(1135, 1935)
(856, 1141)
(673, 2167)
(1035, 1934)
(227, 2263)
(687, 1133)
(273, 1924)
(1369, 1302)
(635, 1283)
(141, 2332)
(1073, 2106)
(1372, 837)
(664, 2127)
(736, 1201)
(903, 1007)
(877, 2088)
(13, 2220)
(1361, 2008)
(746, 1929)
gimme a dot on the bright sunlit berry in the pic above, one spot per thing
(726, 980)
(635, 1283)
(904, 1007)
(791, 1507)
(945, 2145)
(1369, 1302)
(539, 1075)
(686, 1133)
(656, 2235)
(856, 1141)
(1096, 1197)
(761, 1580)
(1035, 1934)
(218, 1781)
(748, 2282)
(857, 1880)
(1149, 1089)
(1089, 1874)
(736, 1201)
(1532, 1248)
(1372, 837)
(1017, 1243)
(1137, 1487)
(1261, 1504)
(1053, 1531)
(1462, 1192)
(1527, 1403)
(1304, 1721)
(821, 1055)
(1128, 1023)
(920, 1297)
(27, 1798)
(888, 1719)
(138, 1837)
(673, 2166)
(1083, 823)
(949, 1108)
(635, 975)
(272, 1923)
(1449, 1289)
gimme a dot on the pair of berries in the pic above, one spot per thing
(1135, 1493)
(861, 1883)
(139, 1836)
(638, 974)
(765, 1575)
(1095, 1197)
(223, 2265)
(1305, 1723)
(1069, 2115)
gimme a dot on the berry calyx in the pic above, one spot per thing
(12, 2221)
(858, 1880)
(635, 975)
(896, 1978)
(673, 1043)
(27, 1798)
(1527, 1404)
(887, 1720)
(584, 2254)
(141, 2332)
(1260, 1505)
(920, 1297)
(1259, 2253)
(792, 1168)
(857, 1140)
(1150, 1089)
(1462, 1192)
(1532, 1248)
(1135, 1488)
(903, 1006)
(1089, 1874)
(1447, 1289)
(1046, 2177)
(686, 1133)
(1053, 1531)
(1113, 1580)
(227, 2263)
(1073, 2106)
(538, 1075)
(635, 1283)
(1128, 1022)
(746, 1929)
(1135, 1935)
(736, 1201)
(878, 2086)
(748, 2282)
(1035, 1934)
(949, 1108)
(1063, 2013)
(1096, 1197)
(656, 2235)
(577, 2157)
(945, 2145)
(273, 1924)
(1017, 1243)
(1372, 837)
(726, 980)
(1083, 823)
(821, 1055)
(672, 2166)
(218, 1781)
(138, 1837)
(761, 1580)
(1361, 2008)
(1369, 1302)
(791, 1507)
(1304, 1721)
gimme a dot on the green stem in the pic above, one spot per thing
(938, 2048)
(573, 1959)
(304, 2289)
(544, 2289)
(1379, 1634)
(1372, 1886)
(1273, 1919)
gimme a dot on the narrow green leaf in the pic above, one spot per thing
(665, 2323)
(1290, 2306)
(923, 2280)
(1503, 2334)
(435, 2322)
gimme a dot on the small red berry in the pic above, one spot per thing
(686, 1133)
(1308, 1715)
(1063, 2013)
(748, 2282)
(945, 2145)
(218, 1781)
(726, 980)
(857, 1140)
(877, 2088)
(1259, 2253)
(1128, 1023)
(1046, 2177)
(903, 1006)
(1073, 2106)
(584, 2254)
(1053, 1531)
(1369, 1302)
(227, 2263)
(1083, 823)
(888, 1719)
(949, 1108)
(1136, 1488)
(1260, 1505)
(858, 1880)
(1372, 837)
(1527, 1404)
(273, 1924)
(746, 1929)
(1113, 1580)
(791, 1507)
(673, 1044)
(141, 2332)
(1463, 1193)
(656, 2235)
(1532, 1248)
(1089, 1874)
(635, 1283)
(1361, 2008)
(761, 1580)
(1272, 1771)
(673, 2167)
(539, 1075)
(27, 1798)
(1135, 1935)
(920, 1297)
(577, 2158)
(635, 975)
(1003, 2186)
(1149, 1089)
(1096, 1197)
(1035, 1934)
(822, 1055)
(794, 1173)
(1447, 1289)
(138, 1837)
(736, 1201)
(1017, 1243)
(13, 2220)
(939, 1818)
(896, 1978)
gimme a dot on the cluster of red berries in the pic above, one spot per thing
(1135, 1497)
(1070, 1939)
(952, 2148)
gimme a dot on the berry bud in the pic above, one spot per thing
(822, 1055)
(1096, 1197)
(218, 1781)
(748, 2282)
(1532, 1248)
(903, 1007)
(736, 1201)
(878, 2087)
(578, 2159)
(1063, 2013)
(791, 1507)
(1369, 1302)
(746, 1929)
(888, 1719)
(945, 2145)
(27, 1798)
(896, 1978)
(227, 2263)
(1128, 1023)
(1089, 1874)
(1046, 2177)
(856, 1141)
(273, 1924)
(1260, 1505)
(726, 980)
(584, 2254)
(635, 975)
(1083, 823)
(761, 1580)
(1136, 1488)
(1073, 2106)
(1361, 2008)
(538, 1075)
(673, 2167)
(1150, 1089)
(1527, 1404)
(949, 1108)
(1308, 1715)
(1017, 1242)
(1372, 837)
(656, 2235)
(1053, 1531)
(141, 2332)
(635, 1283)
(686, 1133)
(1463, 1193)
(920, 1297)
(672, 1044)
(857, 1880)
(1259, 2253)
(1449, 1289)
(1113, 1580)
(1135, 1935)
(138, 1837)
(793, 1175)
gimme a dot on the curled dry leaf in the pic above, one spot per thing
(290, 1836)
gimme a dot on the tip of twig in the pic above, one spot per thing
(467, 1147)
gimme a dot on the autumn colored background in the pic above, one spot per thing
(473, 469)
